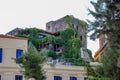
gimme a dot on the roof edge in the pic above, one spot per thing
(12, 37)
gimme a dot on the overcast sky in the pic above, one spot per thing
(36, 13)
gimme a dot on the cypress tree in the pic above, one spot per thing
(107, 22)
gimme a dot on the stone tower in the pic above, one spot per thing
(69, 21)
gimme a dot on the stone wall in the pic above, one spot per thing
(65, 22)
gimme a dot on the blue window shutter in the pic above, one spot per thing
(85, 78)
(21, 78)
(18, 53)
(55, 77)
(0, 77)
(0, 55)
(73, 78)
(18, 77)
(60, 78)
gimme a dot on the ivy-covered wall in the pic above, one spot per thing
(72, 37)
(69, 21)
(67, 39)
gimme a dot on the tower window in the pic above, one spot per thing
(81, 38)
(48, 27)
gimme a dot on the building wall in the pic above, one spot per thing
(65, 72)
(62, 24)
(102, 47)
(55, 26)
(9, 68)
(14, 31)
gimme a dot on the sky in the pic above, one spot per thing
(36, 13)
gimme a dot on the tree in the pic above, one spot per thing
(107, 22)
(31, 63)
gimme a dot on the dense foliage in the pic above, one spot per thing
(67, 39)
(31, 63)
(48, 39)
(72, 47)
(107, 15)
(32, 35)
(68, 34)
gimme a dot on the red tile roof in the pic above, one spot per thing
(11, 37)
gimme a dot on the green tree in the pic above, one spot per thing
(107, 22)
(31, 63)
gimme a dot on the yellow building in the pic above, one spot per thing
(63, 72)
(102, 47)
(11, 47)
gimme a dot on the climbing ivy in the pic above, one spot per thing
(48, 39)
(67, 38)
(78, 25)
(72, 48)
(67, 34)
(70, 21)
(89, 53)
(32, 35)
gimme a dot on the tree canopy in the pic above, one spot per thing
(107, 22)
(31, 63)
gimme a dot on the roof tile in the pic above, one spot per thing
(11, 37)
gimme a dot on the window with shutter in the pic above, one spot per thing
(57, 78)
(18, 53)
(73, 78)
(0, 77)
(0, 55)
(18, 77)
(85, 78)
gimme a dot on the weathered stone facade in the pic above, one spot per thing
(68, 21)
(14, 31)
